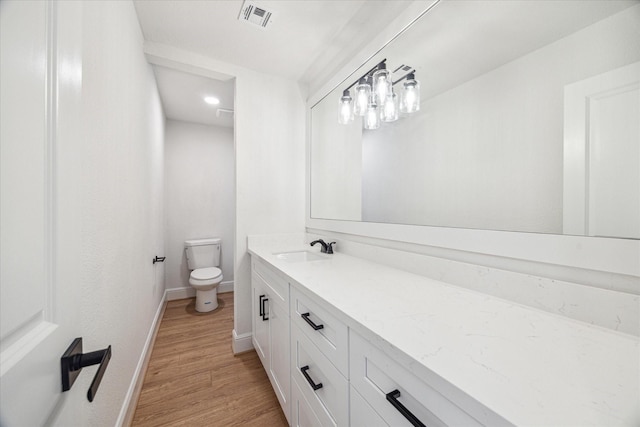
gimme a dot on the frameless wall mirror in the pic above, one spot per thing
(529, 121)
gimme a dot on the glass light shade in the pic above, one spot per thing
(363, 93)
(410, 97)
(371, 118)
(382, 84)
(345, 108)
(389, 111)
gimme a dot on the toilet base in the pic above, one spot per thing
(207, 300)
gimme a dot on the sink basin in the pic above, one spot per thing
(300, 256)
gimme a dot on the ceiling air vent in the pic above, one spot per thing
(254, 14)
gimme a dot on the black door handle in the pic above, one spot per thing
(392, 397)
(313, 385)
(315, 327)
(73, 360)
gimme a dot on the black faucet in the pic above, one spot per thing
(327, 248)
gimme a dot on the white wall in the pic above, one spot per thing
(110, 212)
(270, 180)
(489, 153)
(199, 195)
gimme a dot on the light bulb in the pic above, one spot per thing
(345, 108)
(382, 84)
(363, 93)
(389, 112)
(410, 102)
(371, 118)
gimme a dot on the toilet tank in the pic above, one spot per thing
(202, 253)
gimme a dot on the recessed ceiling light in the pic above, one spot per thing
(211, 100)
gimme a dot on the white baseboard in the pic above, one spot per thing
(241, 343)
(225, 287)
(189, 292)
(131, 399)
(180, 293)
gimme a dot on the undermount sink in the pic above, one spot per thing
(300, 256)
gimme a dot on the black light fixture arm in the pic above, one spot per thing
(410, 73)
(366, 75)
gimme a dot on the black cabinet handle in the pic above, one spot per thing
(313, 385)
(73, 360)
(263, 311)
(260, 305)
(315, 327)
(392, 397)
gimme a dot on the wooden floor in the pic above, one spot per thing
(193, 378)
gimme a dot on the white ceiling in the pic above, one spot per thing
(183, 94)
(305, 39)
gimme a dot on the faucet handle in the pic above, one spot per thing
(330, 247)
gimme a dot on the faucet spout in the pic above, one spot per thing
(322, 242)
(327, 248)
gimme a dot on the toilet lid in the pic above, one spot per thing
(206, 273)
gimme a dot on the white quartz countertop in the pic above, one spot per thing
(526, 366)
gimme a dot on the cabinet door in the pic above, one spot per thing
(280, 354)
(260, 319)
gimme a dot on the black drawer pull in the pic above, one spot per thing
(315, 327)
(313, 385)
(392, 397)
(263, 311)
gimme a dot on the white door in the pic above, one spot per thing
(36, 312)
(602, 155)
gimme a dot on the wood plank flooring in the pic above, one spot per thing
(193, 378)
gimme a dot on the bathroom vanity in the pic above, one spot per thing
(346, 341)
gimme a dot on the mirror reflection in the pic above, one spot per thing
(529, 120)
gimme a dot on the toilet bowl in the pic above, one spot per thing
(203, 259)
(205, 281)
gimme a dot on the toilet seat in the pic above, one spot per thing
(205, 276)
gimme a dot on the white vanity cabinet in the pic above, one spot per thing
(271, 326)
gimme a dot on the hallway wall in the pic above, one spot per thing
(109, 204)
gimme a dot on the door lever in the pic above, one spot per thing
(73, 360)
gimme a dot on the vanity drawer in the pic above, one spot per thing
(279, 286)
(326, 332)
(375, 375)
(323, 386)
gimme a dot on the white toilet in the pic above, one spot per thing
(203, 258)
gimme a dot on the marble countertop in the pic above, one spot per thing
(522, 365)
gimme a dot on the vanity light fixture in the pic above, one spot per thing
(375, 99)
(211, 100)
(372, 117)
(389, 111)
(346, 108)
(363, 93)
(382, 84)
(410, 101)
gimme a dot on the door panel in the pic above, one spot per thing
(34, 316)
(602, 155)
